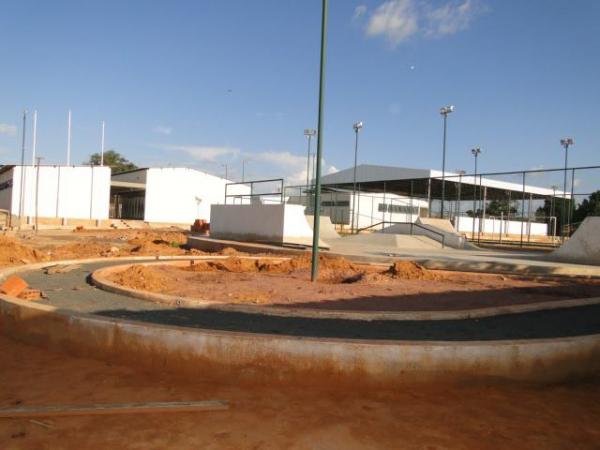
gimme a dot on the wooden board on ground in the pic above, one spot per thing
(114, 408)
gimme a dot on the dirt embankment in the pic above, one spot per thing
(31, 248)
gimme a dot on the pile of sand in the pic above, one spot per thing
(143, 278)
(410, 270)
(331, 269)
(13, 252)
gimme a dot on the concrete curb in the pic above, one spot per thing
(258, 358)
(100, 279)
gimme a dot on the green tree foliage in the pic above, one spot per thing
(589, 207)
(117, 162)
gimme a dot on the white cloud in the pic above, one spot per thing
(396, 20)
(359, 11)
(264, 164)
(452, 18)
(332, 169)
(162, 129)
(7, 129)
(205, 153)
(284, 164)
(399, 20)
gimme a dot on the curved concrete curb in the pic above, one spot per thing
(100, 279)
(447, 261)
(256, 358)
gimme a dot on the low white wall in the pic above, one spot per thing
(283, 223)
(464, 224)
(181, 195)
(73, 192)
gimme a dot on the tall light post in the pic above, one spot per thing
(244, 161)
(444, 112)
(225, 165)
(314, 267)
(357, 127)
(38, 160)
(102, 145)
(22, 187)
(566, 143)
(476, 152)
(309, 133)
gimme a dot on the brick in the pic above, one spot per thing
(13, 286)
(31, 294)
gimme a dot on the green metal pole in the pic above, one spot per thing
(314, 270)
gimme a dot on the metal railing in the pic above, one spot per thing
(241, 196)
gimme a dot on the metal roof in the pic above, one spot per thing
(409, 181)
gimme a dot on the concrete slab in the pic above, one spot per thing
(584, 245)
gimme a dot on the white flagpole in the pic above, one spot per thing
(34, 142)
(102, 146)
(69, 139)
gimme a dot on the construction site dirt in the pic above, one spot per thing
(474, 416)
(343, 285)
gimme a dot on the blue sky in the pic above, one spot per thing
(202, 83)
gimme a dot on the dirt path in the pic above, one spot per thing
(484, 416)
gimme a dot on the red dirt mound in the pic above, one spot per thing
(142, 277)
(13, 252)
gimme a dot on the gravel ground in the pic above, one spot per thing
(72, 291)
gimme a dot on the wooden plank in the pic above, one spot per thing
(114, 408)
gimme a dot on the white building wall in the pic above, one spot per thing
(72, 192)
(464, 224)
(180, 195)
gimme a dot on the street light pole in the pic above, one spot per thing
(476, 152)
(357, 127)
(22, 190)
(37, 191)
(244, 161)
(566, 143)
(314, 269)
(309, 133)
(226, 173)
(102, 145)
(444, 112)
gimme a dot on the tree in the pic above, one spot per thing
(117, 162)
(589, 207)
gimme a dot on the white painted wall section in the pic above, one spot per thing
(279, 224)
(464, 224)
(181, 195)
(72, 192)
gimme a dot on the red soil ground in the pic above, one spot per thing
(345, 285)
(470, 416)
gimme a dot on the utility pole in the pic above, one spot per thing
(357, 127)
(22, 186)
(314, 270)
(444, 112)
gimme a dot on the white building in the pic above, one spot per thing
(169, 195)
(55, 193)
(371, 208)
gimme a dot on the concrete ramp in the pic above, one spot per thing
(326, 230)
(584, 245)
(433, 229)
(391, 241)
(439, 224)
